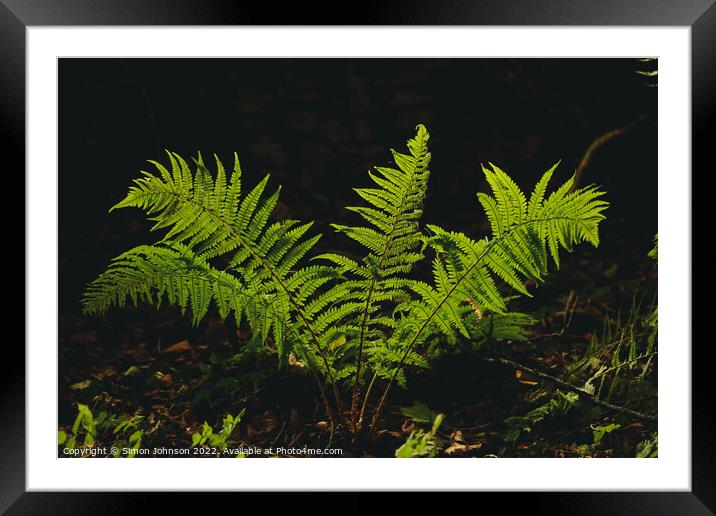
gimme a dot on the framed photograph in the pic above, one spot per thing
(272, 252)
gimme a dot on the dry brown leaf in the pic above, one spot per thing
(457, 437)
(475, 308)
(522, 378)
(243, 334)
(321, 426)
(455, 449)
(178, 347)
(408, 426)
(293, 361)
(81, 385)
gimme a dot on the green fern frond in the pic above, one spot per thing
(392, 237)
(393, 213)
(205, 216)
(155, 273)
(466, 270)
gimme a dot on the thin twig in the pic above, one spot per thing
(581, 392)
(600, 141)
(283, 425)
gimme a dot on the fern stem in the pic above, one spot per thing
(329, 408)
(411, 344)
(365, 399)
(357, 421)
(359, 361)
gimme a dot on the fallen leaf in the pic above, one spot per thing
(131, 371)
(408, 426)
(178, 347)
(101, 375)
(293, 361)
(457, 448)
(80, 385)
(523, 379)
(457, 437)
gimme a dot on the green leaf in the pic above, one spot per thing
(418, 412)
(600, 431)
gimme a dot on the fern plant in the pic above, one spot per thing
(355, 323)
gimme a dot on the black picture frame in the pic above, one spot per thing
(17, 15)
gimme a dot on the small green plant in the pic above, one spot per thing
(421, 443)
(216, 441)
(558, 406)
(129, 434)
(356, 324)
(648, 448)
(123, 433)
(84, 427)
(601, 431)
(620, 358)
(419, 412)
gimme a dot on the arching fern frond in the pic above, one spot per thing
(467, 271)
(159, 273)
(392, 237)
(207, 217)
(393, 211)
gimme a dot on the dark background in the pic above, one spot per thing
(319, 124)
